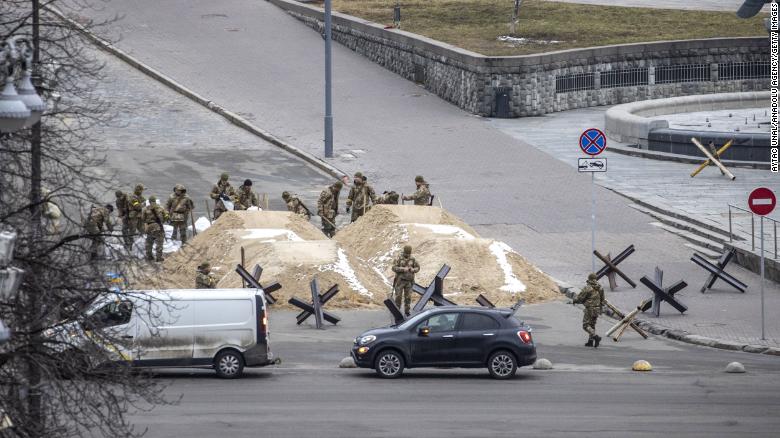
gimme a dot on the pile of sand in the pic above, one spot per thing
(479, 266)
(290, 250)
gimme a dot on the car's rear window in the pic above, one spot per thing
(514, 322)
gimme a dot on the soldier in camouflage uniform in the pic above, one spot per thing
(295, 205)
(137, 203)
(204, 279)
(154, 216)
(423, 194)
(405, 266)
(246, 197)
(222, 190)
(592, 296)
(328, 208)
(386, 197)
(359, 197)
(123, 213)
(179, 206)
(98, 222)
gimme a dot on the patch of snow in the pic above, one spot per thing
(384, 278)
(270, 234)
(253, 208)
(519, 41)
(343, 268)
(511, 283)
(447, 230)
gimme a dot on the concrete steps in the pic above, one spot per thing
(691, 237)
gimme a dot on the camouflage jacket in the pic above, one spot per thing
(246, 198)
(179, 207)
(122, 206)
(405, 262)
(591, 295)
(220, 189)
(205, 281)
(100, 218)
(296, 206)
(387, 198)
(327, 204)
(154, 214)
(359, 196)
(136, 205)
(420, 197)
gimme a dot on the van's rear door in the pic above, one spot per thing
(221, 323)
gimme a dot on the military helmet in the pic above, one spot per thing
(179, 188)
(408, 249)
(152, 199)
(139, 188)
(224, 176)
(205, 266)
(248, 182)
(118, 193)
(109, 207)
(358, 174)
(419, 178)
(592, 277)
(285, 195)
(338, 185)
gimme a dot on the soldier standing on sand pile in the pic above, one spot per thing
(222, 191)
(179, 206)
(328, 208)
(154, 216)
(592, 296)
(359, 196)
(137, 202)
(246, 197)
(423, 194)
(405, 266)
(204, 279)
(98, 222)
(295, 205)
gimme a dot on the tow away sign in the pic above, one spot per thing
(592, 164)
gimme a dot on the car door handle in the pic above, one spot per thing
(448, 336)
(488, 334)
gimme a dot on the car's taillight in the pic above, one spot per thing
(264, 323)
(524, 336)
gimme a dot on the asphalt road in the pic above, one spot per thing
(589, 393)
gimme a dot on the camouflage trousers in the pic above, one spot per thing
(589, 318)
(403, 289)
(135, 227)
(155, 238)
(356, 213)
(96, 241)
(179, 231)
(327, 226)
(218, 212)
(127, 233)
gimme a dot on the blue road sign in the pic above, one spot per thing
(593, 141)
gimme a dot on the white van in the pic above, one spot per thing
(226, 329)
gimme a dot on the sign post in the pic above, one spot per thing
(592, 142)
(761, 202)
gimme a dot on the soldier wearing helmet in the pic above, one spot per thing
(422, 196)
(359, 197)
(136, 202)
(328, 208)
(204, 279)
(97, 225)
(405, 266)
(154, 216)
(179, 206)
(592, 296)
(222, 191)
(295, 205)
(246, 196)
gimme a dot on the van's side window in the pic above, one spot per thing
(112, 314)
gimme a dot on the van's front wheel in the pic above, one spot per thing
(229, 364)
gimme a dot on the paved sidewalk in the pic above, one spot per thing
(259, 62)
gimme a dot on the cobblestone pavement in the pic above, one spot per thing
(393, 130)
(161, 138)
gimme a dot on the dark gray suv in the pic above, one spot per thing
(465, 337)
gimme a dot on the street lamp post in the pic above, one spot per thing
(328, 83)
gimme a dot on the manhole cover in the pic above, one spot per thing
(710, 324)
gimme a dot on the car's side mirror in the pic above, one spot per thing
(424, 331)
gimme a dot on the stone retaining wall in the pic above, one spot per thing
(532, 85)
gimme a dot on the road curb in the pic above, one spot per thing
(230, 116)
(686, 159)
(680, 335)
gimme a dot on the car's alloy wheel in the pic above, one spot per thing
(229, 365)
(502, 365)
(389, 364)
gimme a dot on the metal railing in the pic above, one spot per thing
(743, 70)
(682, 73)
(574, 82)
(753, 229)
(627, 77)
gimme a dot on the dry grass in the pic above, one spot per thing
(476, 24)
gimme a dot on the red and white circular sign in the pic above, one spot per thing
(762, 201)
